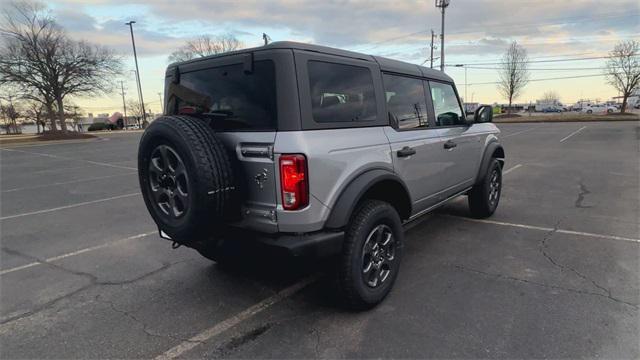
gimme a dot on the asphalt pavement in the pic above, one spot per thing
(553, 274)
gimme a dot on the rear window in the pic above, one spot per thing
(228, 97)
(341, 93)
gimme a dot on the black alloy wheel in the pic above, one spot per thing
(169, 182)
(495, 184)
(378, 255)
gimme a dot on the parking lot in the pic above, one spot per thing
(553, 274)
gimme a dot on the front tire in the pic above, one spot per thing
(485, 195)
(371, 254)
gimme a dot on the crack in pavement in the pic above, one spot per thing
(317, 350)
(543, 250)
(535, 283)
(583, 192)
(145, 327)
(93, 282)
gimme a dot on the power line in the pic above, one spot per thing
(538, 69)
(573, 40)
(557, 21)
(543, 79)
(484, 27)
(376, 44)
(545, 61)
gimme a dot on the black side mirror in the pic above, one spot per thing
(483, 114)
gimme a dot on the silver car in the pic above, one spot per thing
(319, 151)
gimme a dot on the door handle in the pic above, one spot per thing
(406, 151)
(450, 145)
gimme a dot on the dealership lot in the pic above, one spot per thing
(554, 273)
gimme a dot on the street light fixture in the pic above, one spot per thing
(465, 81)
(135, 57)
(442, 4)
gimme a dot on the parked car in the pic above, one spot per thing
(551, 110)
(599, 108)
(319, 151)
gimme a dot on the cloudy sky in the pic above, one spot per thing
(478, 31)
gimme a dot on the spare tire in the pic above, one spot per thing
(186, 177)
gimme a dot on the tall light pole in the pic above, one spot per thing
(442, 4)
(161, 104)
(433, 36)
(135, 73)
(135, 57)
(465, 81)
(124, 104)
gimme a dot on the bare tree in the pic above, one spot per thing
(551, 97)
(204, 46)
(37, 55)
(135, 109)
(73, 113)
(623, 69)
(513, 73)
(10, 114)
(36, 112)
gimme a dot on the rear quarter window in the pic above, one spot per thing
(227, 97)
(341, 93)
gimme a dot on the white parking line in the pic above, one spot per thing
(511, 169)
(68, 158)
(74, 253)
(69, 206)
(66, 182)
(518, 132)
(547, 229)
(227, 324)
(573, 133)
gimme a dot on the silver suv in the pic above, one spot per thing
(319, 151)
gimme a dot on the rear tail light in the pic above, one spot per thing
(294, 181)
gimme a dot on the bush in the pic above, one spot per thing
(97, 127)
(102, 126)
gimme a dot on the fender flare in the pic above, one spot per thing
(488, 155)
(353, 192)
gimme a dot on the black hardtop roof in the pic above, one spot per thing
(385, 64)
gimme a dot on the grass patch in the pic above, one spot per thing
(47, 136)
(564, 117)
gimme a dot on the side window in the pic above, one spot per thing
(446, 105)
(406, 102)
(341, 93)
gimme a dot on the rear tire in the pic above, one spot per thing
(371, 254)
(485, 195)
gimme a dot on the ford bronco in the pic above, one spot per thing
(316, 150)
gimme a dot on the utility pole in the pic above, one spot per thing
(161, 104)
(442, 4)
(433, 36)
(135, 57)
(466, 84)
(124, 104)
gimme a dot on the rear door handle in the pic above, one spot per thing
(450, 145)
(406, 151)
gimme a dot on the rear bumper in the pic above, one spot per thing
(314, 244)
